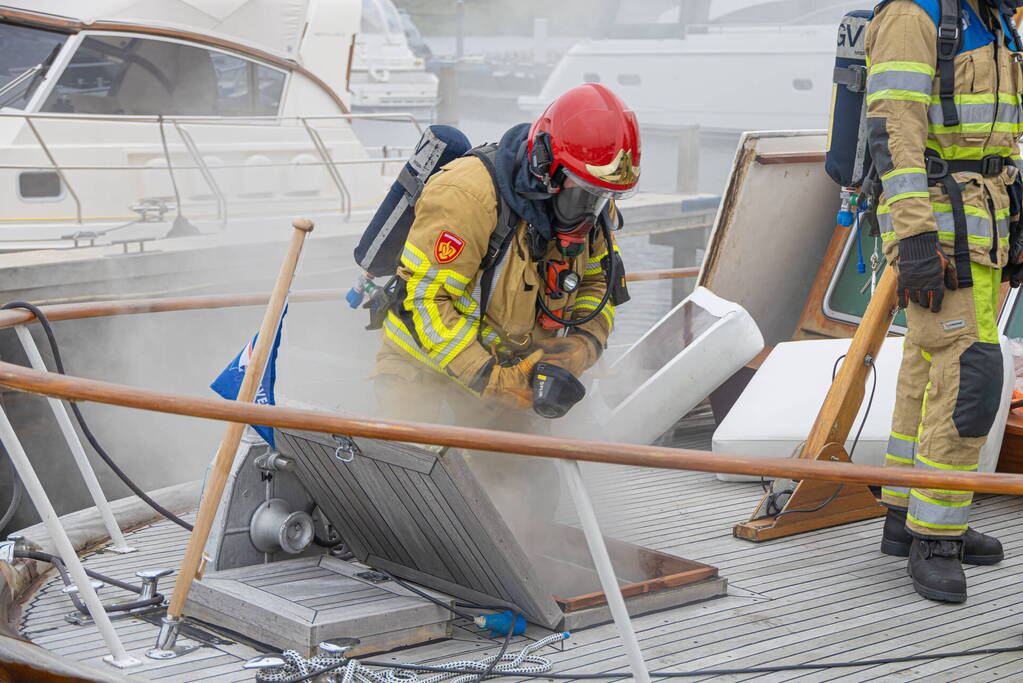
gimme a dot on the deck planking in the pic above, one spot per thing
(827, 595)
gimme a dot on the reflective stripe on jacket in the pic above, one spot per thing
(905, 119)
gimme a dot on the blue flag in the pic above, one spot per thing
(230, 380)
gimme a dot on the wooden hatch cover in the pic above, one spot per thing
(420, 514)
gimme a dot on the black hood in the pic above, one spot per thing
(516, 184)
(1004, 6)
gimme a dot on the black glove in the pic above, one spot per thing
(1013, 274)
(1013, 271)
(924, 271)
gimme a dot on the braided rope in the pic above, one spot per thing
(525, 663)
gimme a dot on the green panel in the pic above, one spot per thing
(846, 297)
(1014, 328)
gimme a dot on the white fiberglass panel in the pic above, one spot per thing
(778, 407)
(683, 358)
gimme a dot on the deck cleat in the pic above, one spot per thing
(166, 639)
(268, 668)
(150, 579)
(335, 648)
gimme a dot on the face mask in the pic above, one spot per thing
(575, 206)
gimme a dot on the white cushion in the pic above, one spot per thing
(777, 409)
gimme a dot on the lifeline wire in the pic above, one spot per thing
(90, 437)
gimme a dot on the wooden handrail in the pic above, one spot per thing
(81, 389)
(672, 274)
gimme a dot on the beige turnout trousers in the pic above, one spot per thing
(949, 391)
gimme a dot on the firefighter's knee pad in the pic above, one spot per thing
(980, 389)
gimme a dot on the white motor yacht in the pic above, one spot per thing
(118, 113)
(386, 74)
(726, 65)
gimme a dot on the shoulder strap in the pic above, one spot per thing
(500, 238)
(506, 218)
(949, 39)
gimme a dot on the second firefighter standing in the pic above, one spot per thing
(943, 119)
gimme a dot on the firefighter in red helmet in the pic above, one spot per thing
(511, 262)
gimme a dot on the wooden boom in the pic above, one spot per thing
(820, 504)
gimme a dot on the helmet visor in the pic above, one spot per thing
(597, 189)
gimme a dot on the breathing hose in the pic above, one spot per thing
(611, 273)
(58, 563)
(90, 437)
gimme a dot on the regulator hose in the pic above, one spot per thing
(609, 280)
(90, 437)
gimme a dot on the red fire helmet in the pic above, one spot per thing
(591, 137)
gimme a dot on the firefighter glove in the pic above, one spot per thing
(576, 352)
(1013, 272)
(924, 271)
(512, 386)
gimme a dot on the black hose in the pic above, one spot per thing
(90, 437)
(809, 666)
(58, 563)
(426, 596)
(504, 648)
(609, 283)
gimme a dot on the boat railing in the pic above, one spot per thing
(311, 125)
(57, 387)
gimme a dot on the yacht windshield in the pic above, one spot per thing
(22, 49)
(381, 17)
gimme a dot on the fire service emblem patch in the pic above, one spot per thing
(448, 247)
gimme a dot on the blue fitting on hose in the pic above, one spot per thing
(845, 218)
(354, 297)
(499, 624)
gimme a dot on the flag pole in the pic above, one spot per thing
(214, 490)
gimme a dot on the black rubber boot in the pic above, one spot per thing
(937, 569)
(980, 548)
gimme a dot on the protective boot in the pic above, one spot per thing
(980, 548)
(937, 569)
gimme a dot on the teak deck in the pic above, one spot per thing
(826, 595)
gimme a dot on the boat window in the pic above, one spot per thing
(629, 79)
(40, 185)
(372, 22)
(393, 19)
(591, 77)
(22, 50)
(1014, 326)
(269, 90)
(127, 75)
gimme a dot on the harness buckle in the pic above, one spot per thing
(937, 167)
(992, 165)
(945, 34)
